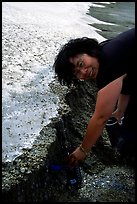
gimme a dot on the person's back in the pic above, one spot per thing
(117, 58)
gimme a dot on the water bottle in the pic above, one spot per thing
(73, 175)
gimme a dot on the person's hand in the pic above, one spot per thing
(75, 157)
(118, 115)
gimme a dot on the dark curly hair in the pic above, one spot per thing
(63, 68)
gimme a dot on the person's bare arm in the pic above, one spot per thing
(105, 105)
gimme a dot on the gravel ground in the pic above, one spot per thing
(105, 176)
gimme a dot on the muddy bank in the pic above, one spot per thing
(105, 177)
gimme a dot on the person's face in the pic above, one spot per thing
(86, 67)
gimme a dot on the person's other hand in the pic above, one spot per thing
(118, 115)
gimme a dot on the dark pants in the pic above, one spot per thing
(124, 137)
